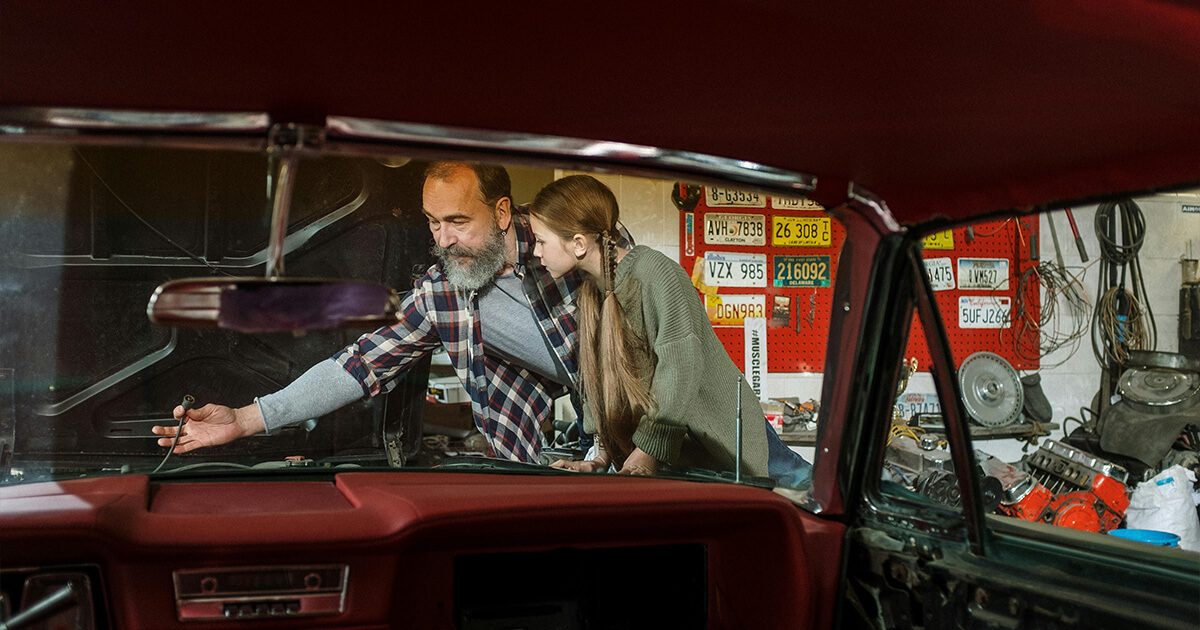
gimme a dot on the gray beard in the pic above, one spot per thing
(480, 268)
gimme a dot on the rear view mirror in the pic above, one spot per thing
(260, 305)
(275, 303)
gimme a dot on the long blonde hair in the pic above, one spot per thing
(617, 392)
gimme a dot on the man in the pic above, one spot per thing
(506, 324)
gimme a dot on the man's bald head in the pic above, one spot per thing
(493, 181)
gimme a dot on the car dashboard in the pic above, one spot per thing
(421, 549)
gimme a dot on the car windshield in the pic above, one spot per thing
(484, 370)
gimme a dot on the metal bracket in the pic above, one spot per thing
(285, 143)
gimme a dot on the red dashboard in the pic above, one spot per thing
(400, 536)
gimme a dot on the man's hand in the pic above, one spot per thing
(588, 466)
(639, 463)
(211, 425)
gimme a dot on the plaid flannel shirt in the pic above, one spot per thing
(509, 402)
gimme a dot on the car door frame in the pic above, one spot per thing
(933, 566)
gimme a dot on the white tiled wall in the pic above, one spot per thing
(646, 210)
(1168, 230)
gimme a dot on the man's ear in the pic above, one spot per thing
(504, 213)
(579, 246)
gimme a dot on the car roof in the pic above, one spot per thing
(951, 109)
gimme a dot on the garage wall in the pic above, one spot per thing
(527, 181)
(1168, 230)
(648, 213)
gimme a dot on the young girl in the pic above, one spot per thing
(659, 386)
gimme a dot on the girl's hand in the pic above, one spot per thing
(639, 463)
(588, 466)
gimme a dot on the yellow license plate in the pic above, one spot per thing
(800, 231)
(940, 240)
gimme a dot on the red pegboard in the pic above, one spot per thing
(1011, 239)
(799, 346)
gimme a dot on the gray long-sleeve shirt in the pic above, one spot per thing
(510, 332)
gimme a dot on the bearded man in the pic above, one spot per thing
(507, 325)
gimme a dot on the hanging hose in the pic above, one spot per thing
(1123, 319)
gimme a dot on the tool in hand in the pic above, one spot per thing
(188, 403)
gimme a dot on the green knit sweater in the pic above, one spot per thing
(694, 381)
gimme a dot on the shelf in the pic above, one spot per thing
(1018, 430)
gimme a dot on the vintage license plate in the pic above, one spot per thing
(794, 203)
(800, 231)
(913, 404)
(732, 310)
(722, 228)
(983, 273)
(732, 198)
(940, 272)
(801, 271)
(940, 240)
(730, 269)
(983, 311)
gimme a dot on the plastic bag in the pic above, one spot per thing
(1164, 503)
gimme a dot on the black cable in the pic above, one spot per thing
(1123, 318)
(188, 403)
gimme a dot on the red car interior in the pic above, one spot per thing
(401, 535)
(951, 111)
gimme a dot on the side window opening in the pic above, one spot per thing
(1074, 352)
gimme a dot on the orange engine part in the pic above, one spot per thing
(1099, 510)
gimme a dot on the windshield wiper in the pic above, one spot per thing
(492, 464)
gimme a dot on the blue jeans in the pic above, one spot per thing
(784, 465)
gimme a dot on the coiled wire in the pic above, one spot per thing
(1123, 319)
(1062, 320)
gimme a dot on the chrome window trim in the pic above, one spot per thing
(18, 120)
(576, 151)
(354, 135)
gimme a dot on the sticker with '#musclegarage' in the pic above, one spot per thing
(983, 311)
(940, 272)
(983, 273)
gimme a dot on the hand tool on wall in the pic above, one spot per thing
(1078, 240)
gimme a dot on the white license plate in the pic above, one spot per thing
(732, 310)
(730, 269)
(732, 198)
(983, 273)
(794, 203)
(722, 228)
(940, 272)
(912, 404)
(983, 311)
